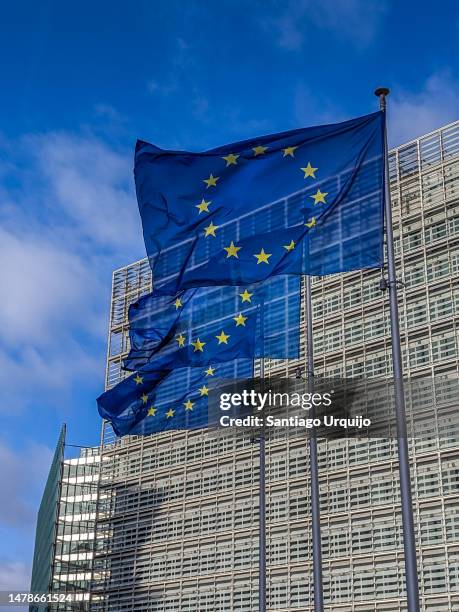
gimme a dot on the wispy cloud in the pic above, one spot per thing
(92, 185)
(313, 108)
(163, 88)
(68, 217)
(47, 287)
(413, 113)
(22, 477)
(179, 79)
(14, 576)
(356, 21)
(169, 81)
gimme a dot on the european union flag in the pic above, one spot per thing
(308, 201)
(129, 400)
(215, 324)
(160, 401)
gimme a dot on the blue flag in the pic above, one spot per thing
(205, 325)
(160, 401)
(128, 401)
(309, 201)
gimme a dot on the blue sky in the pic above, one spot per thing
(79, 84)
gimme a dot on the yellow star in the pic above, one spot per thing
(246, 296)
(262, 257)
(309, 171)
(170, 413)
(232, 250)
(231, 159)
(210, 371)
(198, 345)
(210, 230)
(289, 247)
(240, 319)
(138, 380)
(181, 340)
(259, 150)
(289, 151)
(203, 390)
(211, 181)
(144, 398)
(222, 338)
(319, 197)
(151, 411)
(311, 222)
(178, 303)
(188, 405)
(203, 206)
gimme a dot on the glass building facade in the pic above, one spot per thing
(177, 526)
(74, 547)
(169, 522)
(45, 535)
(64, 544)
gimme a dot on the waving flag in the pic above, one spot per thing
(204, 325)
(308, 201)
(128, 402)
(159, 401)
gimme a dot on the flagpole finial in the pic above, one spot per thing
(381, 93)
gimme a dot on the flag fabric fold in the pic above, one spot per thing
(228, 234)
(158, 401)
(215, 324)
(128, 402)
(309, 201)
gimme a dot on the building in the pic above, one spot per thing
(64, 544)
(45, 536)
(179, 528)
(170, 522)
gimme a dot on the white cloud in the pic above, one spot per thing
(93, 185)
(412, 114)
(68, 217)
(22, 479)
(34, 376)
(46, 288)
(356, 21)
(14, 576)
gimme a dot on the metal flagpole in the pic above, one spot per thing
(262, 516)
(262, 489)
(409, 542)
(314, 466)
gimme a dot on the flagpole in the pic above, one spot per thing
(262, 515)
(262, 487)
(314, 466)
(409, 541)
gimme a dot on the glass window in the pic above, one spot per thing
(410, 196)
(414, 274)
(412, 236)
(408, 160)
(352, 296)
(419, 353)
(416, 312)
(436, 231)
(432, 185)
(443, 346)
(441, 305)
